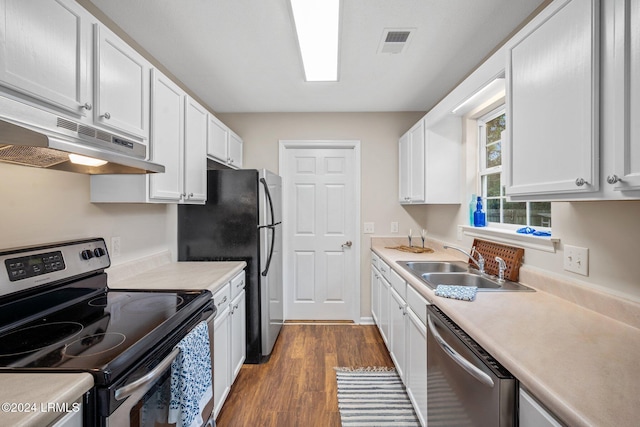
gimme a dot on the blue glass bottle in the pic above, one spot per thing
(479, 216)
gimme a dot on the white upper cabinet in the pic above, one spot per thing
(223, 145)
(195, 152)
(625, 173)
(553, 103)
(411, 167)
(45, 52)
(122, 85)
(430, 162)
(217, 139)
(235, 150)
(167, 136)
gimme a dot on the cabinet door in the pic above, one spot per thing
(221, 361)
(238, 335)
(235, 150)
(553, 104)
(375, 295)
(626, 175)
(122, 85)
(167, 138)
(397, 332)
(385, 296)
(404, 168)
(417, 161)
(195, 152)
(44, 51)
(416, 364)
(217, 137)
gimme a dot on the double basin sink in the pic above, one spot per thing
(434, 273)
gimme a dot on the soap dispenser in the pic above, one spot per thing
(479, 216)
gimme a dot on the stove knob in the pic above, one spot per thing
(98, 252)
(86, 254)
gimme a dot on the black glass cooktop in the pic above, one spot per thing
(87, 327)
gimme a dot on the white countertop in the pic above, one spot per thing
(183, 276)
(26, 398)
(582, 365)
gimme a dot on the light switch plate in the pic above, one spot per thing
(576, 259)
(369, 227)
(394, 227)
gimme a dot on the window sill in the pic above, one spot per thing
(541, 243)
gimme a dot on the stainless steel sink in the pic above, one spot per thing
(420, 267)
(458, 279)
(482, 282)
(434, 273)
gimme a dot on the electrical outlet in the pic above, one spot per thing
(369, 227)
(115, 247)
(576, 259)
(394, 227)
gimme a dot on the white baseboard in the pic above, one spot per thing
(367, 321)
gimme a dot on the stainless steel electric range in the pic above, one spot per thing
(57, 314)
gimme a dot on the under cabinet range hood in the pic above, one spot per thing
(33, 137)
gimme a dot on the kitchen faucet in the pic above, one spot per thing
(502, 266)
(479, 262)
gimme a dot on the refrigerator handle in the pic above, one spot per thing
(268, 193)
(273, 242)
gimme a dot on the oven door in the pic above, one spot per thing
(146, 399)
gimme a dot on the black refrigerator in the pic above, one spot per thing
(241, 221)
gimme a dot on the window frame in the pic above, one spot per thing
(484, 171)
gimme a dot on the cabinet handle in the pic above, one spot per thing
(190, 195)
(580, 182)
(612, 179)
(107, 115)
(241, 284)
(87, 106)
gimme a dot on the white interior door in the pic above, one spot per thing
(321, 233)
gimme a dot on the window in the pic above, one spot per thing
(498, 208)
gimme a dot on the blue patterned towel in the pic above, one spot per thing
(191, 386)
(465, 293)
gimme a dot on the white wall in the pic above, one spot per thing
(378, 133)
(40, 206)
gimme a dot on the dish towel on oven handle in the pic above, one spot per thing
(465, 293)
(191, 386)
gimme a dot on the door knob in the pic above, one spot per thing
(348, 244)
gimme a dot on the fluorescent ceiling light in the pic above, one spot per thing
(86, 161)
(317, 25)
(491, 89)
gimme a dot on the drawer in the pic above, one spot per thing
(399, 284)
(222, 298)
(417, 303)
(384, 269)
(375, 259)
(237, 284)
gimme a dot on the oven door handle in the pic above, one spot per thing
(127, 390)
(464, 363)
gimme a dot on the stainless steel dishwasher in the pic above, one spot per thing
(465, 385)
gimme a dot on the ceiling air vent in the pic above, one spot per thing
(394, 41)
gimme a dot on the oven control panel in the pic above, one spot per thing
(25, 268)
(34, 265)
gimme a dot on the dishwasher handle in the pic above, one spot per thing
(464, 363)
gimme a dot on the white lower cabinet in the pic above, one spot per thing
(416, 353)
(384, 315)
(533, 414)
(400, 313)
(398, 327)
(238, 327)
(229, 342)
(375, 295)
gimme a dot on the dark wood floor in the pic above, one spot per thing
(297, 386)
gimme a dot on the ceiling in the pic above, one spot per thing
(242, 55)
